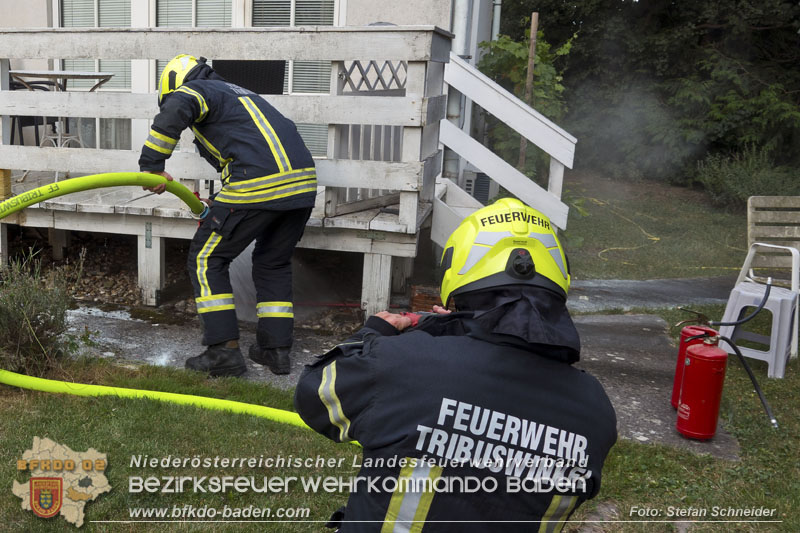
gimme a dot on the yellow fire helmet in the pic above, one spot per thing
(506, 243)
(175, 74)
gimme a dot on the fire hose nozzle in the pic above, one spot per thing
(202, 215)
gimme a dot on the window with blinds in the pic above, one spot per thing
(191, 13)
(301, 76)
(103, 14)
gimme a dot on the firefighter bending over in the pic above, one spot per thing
(484, 397)
(268, 189)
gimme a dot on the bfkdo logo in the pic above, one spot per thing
(62, 481)
(46, 495)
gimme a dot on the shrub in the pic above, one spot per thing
(731, 179)
(32, 316)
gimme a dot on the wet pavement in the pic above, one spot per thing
(593, 296)
(631, 354)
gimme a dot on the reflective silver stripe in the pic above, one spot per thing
(267, 180)
(476, 253)
(557, 513)
(161, 143)
(411, 500)
(274, 309)
(545, 238)
(266, 196)
(409, 506)
(327, 393)
(200, 100)
(214, 303)
(556, 253)
(490, 238)
(266, 129)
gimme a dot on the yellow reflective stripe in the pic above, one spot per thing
(274, 310)
(425, 501)
(327, 393)
(411, 501)
(200, 99)
(202, 263)
(210, 147)
(160, 143)
(271, 180)
(161, 137)
(226, 307)
(395, 502)
(274, 186)
(271, 194)
(269, 134)
(157, 148)
(214, 302)
(563, 519)
(213, 297)
(557, 513)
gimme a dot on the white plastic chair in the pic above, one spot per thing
(782, 303)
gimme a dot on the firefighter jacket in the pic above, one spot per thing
(447, 407)
(263, 160)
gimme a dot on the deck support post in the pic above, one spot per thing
(3, 245)
(402, 269)
(376, 285)
(58, 240)
(152, 267)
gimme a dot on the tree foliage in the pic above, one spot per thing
(654, 86)
(506, 61)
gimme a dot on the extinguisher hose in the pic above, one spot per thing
(751, 315)
(764, 402)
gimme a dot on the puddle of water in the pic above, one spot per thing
(93, 311)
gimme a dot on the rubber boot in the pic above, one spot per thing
(218, 361)
(276, 359)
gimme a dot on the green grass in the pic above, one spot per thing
(624, 230)
(122, 428)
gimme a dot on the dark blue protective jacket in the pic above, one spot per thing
(448, 402)
(263, 160)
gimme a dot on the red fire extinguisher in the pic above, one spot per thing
(701, 389)
(689, 335)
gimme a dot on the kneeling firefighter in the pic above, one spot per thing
(472, 420)
(268, 189)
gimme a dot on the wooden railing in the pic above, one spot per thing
(532, 125)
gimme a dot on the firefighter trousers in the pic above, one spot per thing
(222, 236)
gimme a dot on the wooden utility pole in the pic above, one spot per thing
(523, 142)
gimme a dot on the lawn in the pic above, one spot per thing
(624, 230)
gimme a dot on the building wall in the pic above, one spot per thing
(27, 14)
(407, 12)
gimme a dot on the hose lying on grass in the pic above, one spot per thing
(80, 389)
(97, 181)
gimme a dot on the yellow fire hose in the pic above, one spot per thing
(80, 389)
(199, 209)
(96, 181)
